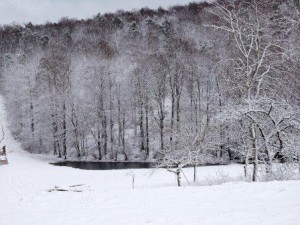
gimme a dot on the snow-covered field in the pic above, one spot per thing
(28, 195)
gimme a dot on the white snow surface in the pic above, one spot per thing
(107, 197)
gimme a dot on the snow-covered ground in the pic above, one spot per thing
(28, 195)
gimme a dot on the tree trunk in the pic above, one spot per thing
(255, 152)
(178, 176)
(103, 120)
(104, 137)
(199, 106)
(142, 134)
(178, 115)
(64, 130)
(76, 133)
(222, 133)
(147, 129)
(54, 126)
(31, 111)
(54, 131)
(123, 138)
(195, 173)
(99, 144)
(32, 125)
(111, 121)
(246, 166)
(58, 148)
(161, 125)
(82, 144)
(120, 140)
(172, 115)
(269, 162)
(191, 95)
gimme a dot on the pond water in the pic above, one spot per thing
(105, 165)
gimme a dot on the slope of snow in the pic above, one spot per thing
(29, 196)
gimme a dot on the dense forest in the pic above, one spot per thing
(195, 84)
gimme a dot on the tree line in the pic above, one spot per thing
(204, 83)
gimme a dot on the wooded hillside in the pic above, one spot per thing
(201, 83)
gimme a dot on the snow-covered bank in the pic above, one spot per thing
(106, 197)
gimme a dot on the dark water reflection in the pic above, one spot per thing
(105, 165)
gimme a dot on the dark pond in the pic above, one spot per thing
(106, 165)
